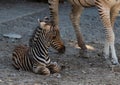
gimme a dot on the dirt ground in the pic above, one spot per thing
(21, 18)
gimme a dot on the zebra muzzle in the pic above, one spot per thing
(62, 49)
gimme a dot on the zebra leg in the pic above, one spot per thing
(113, 14)
(110, 40)
(106, 52)
(53, 7)
(75, 19)
(41, 69)
(104, 12)
(114, 57)
(54, 67)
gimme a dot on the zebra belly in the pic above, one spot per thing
(109, 3)
(83, 3)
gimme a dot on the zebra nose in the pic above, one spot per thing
(62, 49)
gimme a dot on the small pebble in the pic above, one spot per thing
(12, 35)
(84, 72)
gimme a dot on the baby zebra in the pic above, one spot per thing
(35, 57)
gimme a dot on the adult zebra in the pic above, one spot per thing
(108, 10)
(35, 57)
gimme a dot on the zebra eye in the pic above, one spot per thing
(54, 37)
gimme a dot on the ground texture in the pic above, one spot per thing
(21, 18)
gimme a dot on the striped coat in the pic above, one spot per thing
(35, 57)
(108, 11)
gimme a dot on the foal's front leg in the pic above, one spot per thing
(41, 69)
(54, 67)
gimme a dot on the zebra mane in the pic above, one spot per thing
(33, 36)
(36, 33)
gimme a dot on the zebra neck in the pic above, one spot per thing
(38, 37)
(39, 46)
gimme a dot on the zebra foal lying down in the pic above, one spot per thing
(35, 57)
(108, 11)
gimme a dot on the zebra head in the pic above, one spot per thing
(52, 34)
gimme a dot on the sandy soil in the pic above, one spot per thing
(76, 69)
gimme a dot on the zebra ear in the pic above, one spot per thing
(46, 19)
(38, 20)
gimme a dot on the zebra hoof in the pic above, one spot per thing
(45, 71)
(84, 53)
(54, 68)
(115, 62)
(42, 71)
(62, 49)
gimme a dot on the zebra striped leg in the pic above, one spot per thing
(53, 6)
(114, 57)
(40, 69)
(75, 18)
(106, 50)
(113, 14)
(104, 12)
(110, 41)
